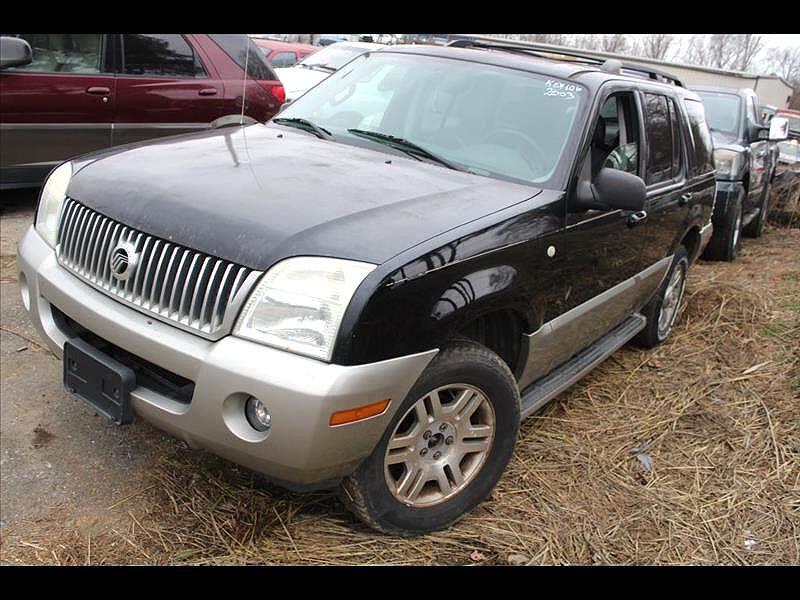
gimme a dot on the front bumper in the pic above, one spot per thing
(300, 450)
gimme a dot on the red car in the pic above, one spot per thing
(83, 92)
(284, 54)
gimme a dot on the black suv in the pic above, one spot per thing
(745, 162)
(371, 290)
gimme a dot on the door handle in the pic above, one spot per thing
(98, 90)
(684, 200)
(207, 92)
(637, 218)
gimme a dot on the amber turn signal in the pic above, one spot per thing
(358, 414)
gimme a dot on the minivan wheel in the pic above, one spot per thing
(726, 240)
(445, 448)
(662, 310)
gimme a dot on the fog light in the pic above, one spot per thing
(257, 414)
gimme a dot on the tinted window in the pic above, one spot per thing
(722, 111)
(159, 55)
(65, 53)
(242, 50)
(659, 139)
(284, 59)
(702, 145)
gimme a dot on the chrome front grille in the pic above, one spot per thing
(193, 290)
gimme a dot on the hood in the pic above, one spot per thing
(258, 194)
(298, 80)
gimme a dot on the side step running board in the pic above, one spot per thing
(551, 385)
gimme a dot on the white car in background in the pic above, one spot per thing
(307, 73)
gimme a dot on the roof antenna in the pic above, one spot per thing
(244, 81)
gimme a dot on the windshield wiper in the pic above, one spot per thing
(403, 145)
(303, 124)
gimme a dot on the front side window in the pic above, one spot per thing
(615, 141)
(159, 55)
(481, 118)
(82, 53)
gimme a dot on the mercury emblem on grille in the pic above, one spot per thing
(123, 261)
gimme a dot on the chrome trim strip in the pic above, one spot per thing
(557, 340)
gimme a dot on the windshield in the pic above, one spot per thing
(333, 57)
(481, 118)
(722, 111)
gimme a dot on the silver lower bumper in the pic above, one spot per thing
(301, 448)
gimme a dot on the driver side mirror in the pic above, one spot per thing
(612, 189)
(14, 52)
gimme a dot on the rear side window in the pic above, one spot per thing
(65, 53)
(702, 144)
(242, 50)
(659, 139)
(159, 55)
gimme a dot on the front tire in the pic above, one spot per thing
(662, 310)
(726, 240)
(445, 448)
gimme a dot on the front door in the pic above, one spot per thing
(601, 248)
(58, 106)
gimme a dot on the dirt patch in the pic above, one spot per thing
(685, 454)
(41, 437)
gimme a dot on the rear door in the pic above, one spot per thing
(668, 200)
(59, 105)
(164, 88)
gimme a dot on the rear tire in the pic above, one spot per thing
(726, 240)
(451, 440)
(663, 309)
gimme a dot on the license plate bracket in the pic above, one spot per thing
(103, 383)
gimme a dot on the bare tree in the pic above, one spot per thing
(656, 45)
(616, 44)
(745, 48)
(786, 63)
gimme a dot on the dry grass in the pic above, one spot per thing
(688, 453)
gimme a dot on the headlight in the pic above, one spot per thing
(299, 303)
(51, 200)
(728, 162)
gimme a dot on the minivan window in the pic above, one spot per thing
(722, 111)
(284, 59)
(485, 119)
(65, 53)
(159, 55)
(242, 50)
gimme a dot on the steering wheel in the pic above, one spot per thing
(529, 149)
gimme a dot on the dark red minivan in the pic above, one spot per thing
(84, 92)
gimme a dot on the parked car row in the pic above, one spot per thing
(424, 248)
(67, 94)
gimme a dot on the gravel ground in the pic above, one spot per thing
(688, 453)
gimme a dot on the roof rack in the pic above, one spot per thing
(572, 56)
